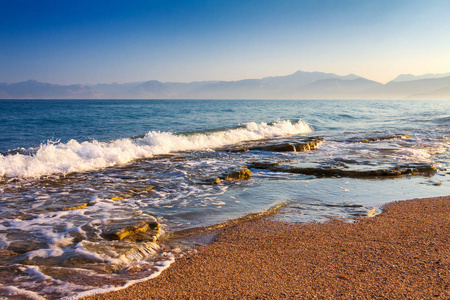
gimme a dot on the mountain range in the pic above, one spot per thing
(299, 85)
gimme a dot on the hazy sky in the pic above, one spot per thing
(89, 41)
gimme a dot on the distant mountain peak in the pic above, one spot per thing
(352, 76)
(411, 77)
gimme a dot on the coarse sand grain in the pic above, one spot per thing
(402, 253)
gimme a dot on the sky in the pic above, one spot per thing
(93, 41)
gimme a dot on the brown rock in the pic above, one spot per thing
(240, 174)
(135, 230)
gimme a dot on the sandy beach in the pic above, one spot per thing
(402, 253)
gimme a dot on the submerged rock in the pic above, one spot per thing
(131, 192)
(142, 190)
(376, 139)
(24, 246)
(384, 138)
(209, 181)
(140, 251)
(263, 165)
(5, 253)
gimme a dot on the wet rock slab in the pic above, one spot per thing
(418, 169)
(278, 145)
(241, 174)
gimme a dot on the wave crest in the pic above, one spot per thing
(73, 156)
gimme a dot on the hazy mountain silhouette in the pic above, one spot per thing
(299, 85)
(410, 77)
(415, 89)
(33, 89)
(301, 78)
(337, 88)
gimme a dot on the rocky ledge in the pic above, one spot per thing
(410, 169)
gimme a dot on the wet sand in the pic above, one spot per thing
(403, 253)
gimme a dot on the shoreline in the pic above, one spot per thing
(404, 252)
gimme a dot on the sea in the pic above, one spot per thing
(95, 193)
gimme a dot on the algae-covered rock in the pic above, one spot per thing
(142, 190)
(240, 174)
(308, 145)
(295, 144)
(384, 138)
(371, 212)
(150, 188)
(312, 145)
(141, 229)
(75, 207)
(131, 230)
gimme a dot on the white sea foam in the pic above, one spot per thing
(44, 253)
(416, 150)
(16, 292)
(423, 151)
(73, 156)
(160, 267)
(35, 272)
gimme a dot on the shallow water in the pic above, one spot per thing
(74, 172)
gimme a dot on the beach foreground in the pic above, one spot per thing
(403, 253)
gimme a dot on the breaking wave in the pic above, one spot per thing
(73, 156)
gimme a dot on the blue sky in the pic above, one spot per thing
(65, 41)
